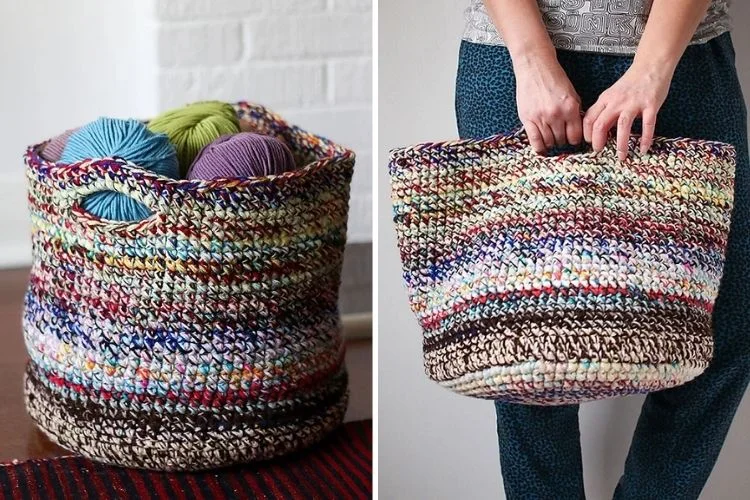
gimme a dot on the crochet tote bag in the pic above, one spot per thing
(205, 335)
(554, 280)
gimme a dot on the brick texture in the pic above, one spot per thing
(200, 44)
(309, 60)
(202, 10)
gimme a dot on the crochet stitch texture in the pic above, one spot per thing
(205, 335)
(554, 280)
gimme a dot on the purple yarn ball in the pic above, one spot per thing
(52, 151)
(242, 155)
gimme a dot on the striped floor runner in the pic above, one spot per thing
(340, 467)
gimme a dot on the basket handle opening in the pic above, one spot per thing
(582, 148)
(113, 207)
(127, 193)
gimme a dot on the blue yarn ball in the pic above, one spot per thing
(128, 139)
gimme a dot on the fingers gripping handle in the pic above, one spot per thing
(583, 147)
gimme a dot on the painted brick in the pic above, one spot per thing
(353, 5)
(294, 6)
(181, 10)
(208, 44)
(275, 85)
(309, 35)
(350, 127)
(351, 80)
(309, 60)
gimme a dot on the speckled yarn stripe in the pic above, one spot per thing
(552, 280)
(205, 335)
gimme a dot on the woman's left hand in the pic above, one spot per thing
(640, 92)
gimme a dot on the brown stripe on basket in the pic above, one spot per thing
(521, 323)
(153, 422)
(180, 440)
(623, 343)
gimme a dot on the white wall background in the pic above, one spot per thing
(66, 63)
(308, 60)
(434, 444)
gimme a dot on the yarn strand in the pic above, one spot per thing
(128, 139)
(242, 155)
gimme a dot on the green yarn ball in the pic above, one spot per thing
(195, 126)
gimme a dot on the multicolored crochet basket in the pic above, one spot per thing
(205, 335)
(561, 279)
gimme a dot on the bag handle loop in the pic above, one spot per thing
(583, 147)
(110, 175)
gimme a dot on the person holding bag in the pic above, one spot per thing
(573, 71)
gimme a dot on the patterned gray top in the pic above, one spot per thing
(612, 26)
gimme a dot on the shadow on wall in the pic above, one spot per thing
(355, 294)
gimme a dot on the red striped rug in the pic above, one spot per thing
(339, 467)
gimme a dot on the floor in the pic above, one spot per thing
(20, 439)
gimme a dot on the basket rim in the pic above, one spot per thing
(515, 142)
(35, 161)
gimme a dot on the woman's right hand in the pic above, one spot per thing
(548, 105)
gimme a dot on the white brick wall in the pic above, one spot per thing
(306, 59)
(84, 60)
(309, 60)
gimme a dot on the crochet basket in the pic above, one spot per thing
(561, 279)
(205, 335)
